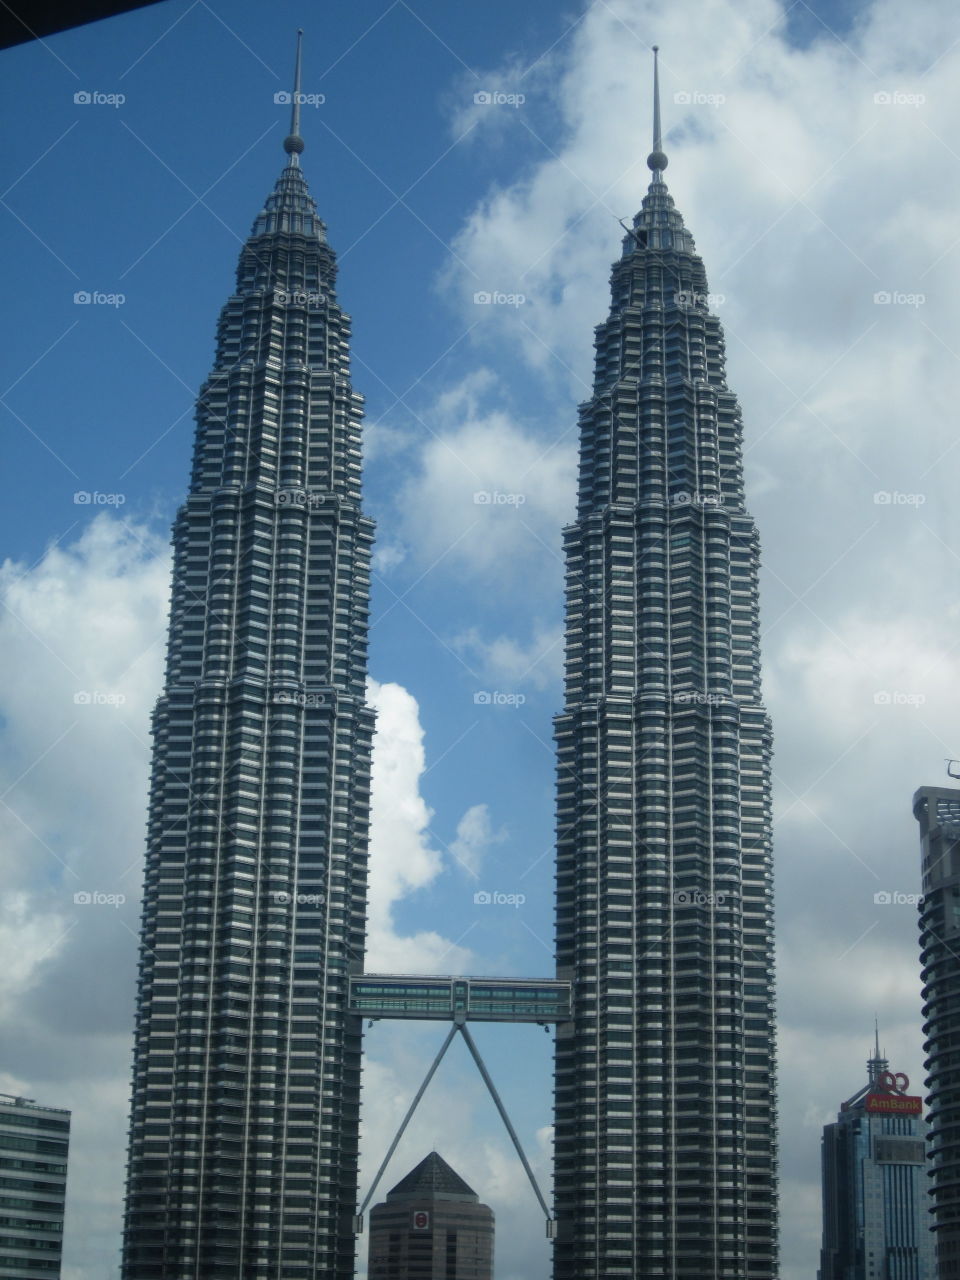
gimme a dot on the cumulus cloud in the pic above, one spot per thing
(403, 858)
(475, 834)
(487, 495)
(511, 664)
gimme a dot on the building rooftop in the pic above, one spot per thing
(432, 1177)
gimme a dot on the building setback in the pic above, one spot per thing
(246, 1075)
(937, 809)
(876, 1214)
(664, 1078)
(34, 1143)
(431, 1227)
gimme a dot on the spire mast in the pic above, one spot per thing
(293, 143)
(656, 160)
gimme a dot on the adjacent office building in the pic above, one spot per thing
(34, 1142)
(431, 1226)
(246, 1076)
(937, 809)
(664, 1084)
(876, 1210)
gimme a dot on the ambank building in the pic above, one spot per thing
(876, 1211)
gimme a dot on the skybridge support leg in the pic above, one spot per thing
(358, 1221)
(481, 1067)
(459, 1025)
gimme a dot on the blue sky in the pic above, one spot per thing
(808, 196)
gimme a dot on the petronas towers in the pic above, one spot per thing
(664, 1094)
(244, 1125)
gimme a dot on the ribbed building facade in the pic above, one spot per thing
(937, 809)
(243, 1138)
(664, 1079)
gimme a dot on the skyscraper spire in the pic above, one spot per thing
(293, 143)
(656, 160)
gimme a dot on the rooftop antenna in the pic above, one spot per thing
(656, 160)
(293, 143)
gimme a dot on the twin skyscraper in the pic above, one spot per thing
(246, 1088)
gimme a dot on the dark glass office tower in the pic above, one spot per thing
(664, 1079)
(937, 809)
(243, 1138)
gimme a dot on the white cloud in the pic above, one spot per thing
(509, 664)
(487, 494)
(475, 834)
(402, 858)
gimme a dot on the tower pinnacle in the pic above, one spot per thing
(656, 160)
(293, 143)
